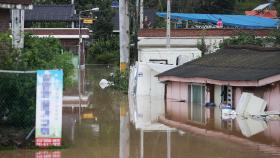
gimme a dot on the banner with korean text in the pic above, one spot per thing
(49, 107)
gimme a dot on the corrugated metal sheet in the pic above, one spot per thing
(239, 21)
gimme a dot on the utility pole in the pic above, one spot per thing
(141, 14)
(168, 31)
(124, 34)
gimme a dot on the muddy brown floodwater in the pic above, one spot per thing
(117, 126)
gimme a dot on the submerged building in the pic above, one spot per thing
(222, 77)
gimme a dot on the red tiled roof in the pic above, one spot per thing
(201, 32)
(25, 2)
(264, 13)
(60, 31)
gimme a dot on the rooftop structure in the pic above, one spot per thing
(236, 66)
(235, 21)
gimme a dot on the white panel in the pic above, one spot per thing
(255, 106)
(143, 81)
(250, 104)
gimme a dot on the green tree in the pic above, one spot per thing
(103, 26)
(104, 51)
(18, 91)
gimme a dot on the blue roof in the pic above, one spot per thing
(240, 21)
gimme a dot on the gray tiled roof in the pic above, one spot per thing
(232, 64)
(51, 12)
(25, 2)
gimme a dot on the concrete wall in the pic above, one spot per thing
(4, 20)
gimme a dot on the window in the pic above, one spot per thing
(196, 95)
(159, 61)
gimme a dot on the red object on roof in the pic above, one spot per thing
(264, 13)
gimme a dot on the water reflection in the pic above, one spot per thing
(112, 127)
(250, 126)
(48, 154)
(205, 132)
(209, 122)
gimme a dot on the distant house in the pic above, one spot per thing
(52, 15)
(59, 21)
(221, 77)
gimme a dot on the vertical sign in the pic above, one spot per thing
(49, 107)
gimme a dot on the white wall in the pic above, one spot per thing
(160, 42)
(171, 54)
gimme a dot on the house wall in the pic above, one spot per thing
(269, 93)
(4, 20)
(169, 55)
(177, 91)
(272, 96)
(177, 111)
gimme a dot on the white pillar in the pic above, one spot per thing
(18, 28)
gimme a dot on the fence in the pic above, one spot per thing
(17, 106)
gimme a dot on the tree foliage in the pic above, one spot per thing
(103, 26)
(104, 51)
(18, 91)
(272, 40)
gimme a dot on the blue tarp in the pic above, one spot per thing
(239, 21)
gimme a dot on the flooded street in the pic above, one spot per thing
(114, 125)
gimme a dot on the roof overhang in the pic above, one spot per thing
(16, 6)
(59, 33)
(255, 83)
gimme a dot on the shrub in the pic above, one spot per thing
(104, 51)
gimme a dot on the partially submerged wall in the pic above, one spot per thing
(270, 93)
